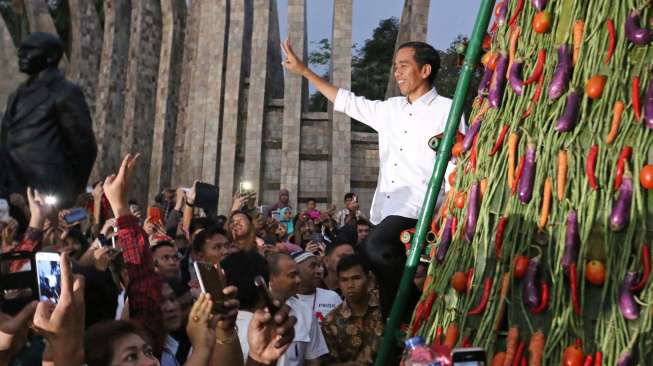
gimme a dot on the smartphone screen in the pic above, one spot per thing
(211, 282)
(155, 214)
(76, 215)
(48, 276)
(468, 357)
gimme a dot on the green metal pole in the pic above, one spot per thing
(444, 154)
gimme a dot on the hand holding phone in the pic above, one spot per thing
(76, 215)
(48, 276)
(473, 356)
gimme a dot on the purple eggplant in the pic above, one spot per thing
(498, 81)
(470, 134)
(568, 119)
(445, 240)
(484, 85)
(634, 32)
(473, 206)
(525, 188)
(539, 4)
(625, 358)
(629, 307)
(620, 214)
(515, 77)
(572, 241)
(561, 74)
(530, 292)
(648, 105)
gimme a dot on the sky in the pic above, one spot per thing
(447, 19)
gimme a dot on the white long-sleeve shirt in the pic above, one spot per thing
(406, 160)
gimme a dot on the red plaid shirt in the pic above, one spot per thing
(144, 289)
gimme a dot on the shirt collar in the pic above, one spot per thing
(372, 302)
(425, 99)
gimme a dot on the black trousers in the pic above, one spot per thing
(386, 256)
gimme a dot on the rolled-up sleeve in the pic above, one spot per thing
(361, 109)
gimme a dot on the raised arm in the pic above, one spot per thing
(293, 64)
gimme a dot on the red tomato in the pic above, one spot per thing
(573, 356)
(542, 22)
(452, 178)
(521, 264)
(487, 42)
(457, 149)
(459, 281)
(646, 176)
(595, 272)
(492, 63)
(460, 199)
(594, 86)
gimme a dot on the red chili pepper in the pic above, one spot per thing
(591, 165)
(498, 238)
(574, 288)
(466, 342)
(438, 336)
(472, 155)
(520, 168)
(539, 67)
(588, 360)
(635, 96)
(621, 163)
(423, 311)
(519, 354)
(646, 270)
(527, 112)
(598, 358)
(538, 91)
(544, 303)
(515, 15)
(611, 41)
(487, 288)
(499, 143)
(470, 279)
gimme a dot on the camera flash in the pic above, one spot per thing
(246, 186)
(50, 200)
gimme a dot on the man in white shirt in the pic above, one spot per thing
(319, 300)
(308, 344)
(404, 125)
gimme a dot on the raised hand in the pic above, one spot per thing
(291, 62)
(116, 187)
(201, 325)
(36, 209)
(270, 336)
(13, 332)
(63, 324)
(7, 235)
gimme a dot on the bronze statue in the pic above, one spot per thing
(46, 135)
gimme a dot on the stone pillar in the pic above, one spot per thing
(201, 144)
(236, 70)
(258, 93)
(340, 160)
(11, 77)
(412, 27)
(85, 48)
(40, 20)
(170, 68)
(140, 91)
(294, 90)
(109, 103)
(179, 171)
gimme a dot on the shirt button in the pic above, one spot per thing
(393, 181)
(387, 196)
(405, 131)
(395, 164)
(401, 149)
(410, 114)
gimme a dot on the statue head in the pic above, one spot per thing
(39, 51)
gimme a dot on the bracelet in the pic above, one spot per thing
(189, 204)
(252, 362)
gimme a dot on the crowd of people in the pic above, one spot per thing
(130, 295)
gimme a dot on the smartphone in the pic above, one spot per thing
(317, 238)
(264, 292)
(155, 214)
(75, 215)
(474, 356)
(18, 285)
(212, 282)
(206, 196)
(48, 276)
